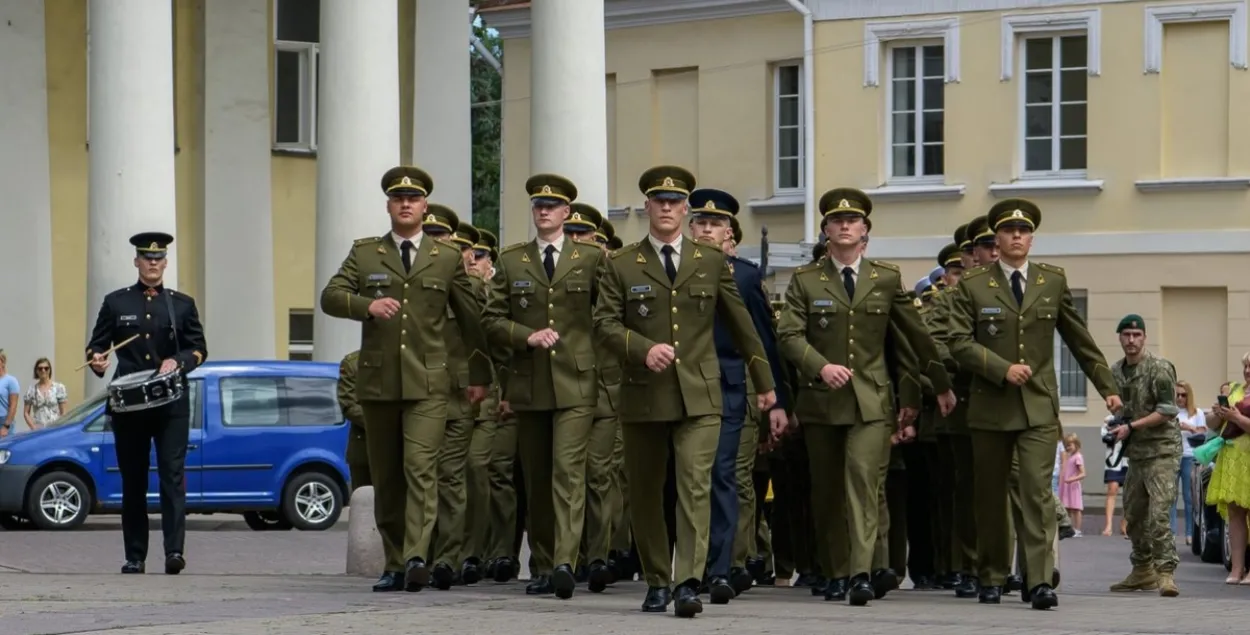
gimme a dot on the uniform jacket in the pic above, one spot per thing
(639, 307)
(750, 282)
(458, 405)
(961, 380)
(522, 300)
(347, 390)
(989, 332)
(821, 325)
(1149, 386)
(131, 311)
(405, 358)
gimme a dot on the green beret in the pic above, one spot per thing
(1131, 321)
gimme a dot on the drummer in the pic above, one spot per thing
(170, 340)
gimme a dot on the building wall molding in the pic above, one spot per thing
(1156, 16)
(878, 33)
(877, 9)
(1089, 21)
(1044, 187)
(1193, 184)
(514, 23)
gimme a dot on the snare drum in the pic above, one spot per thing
(143, 390)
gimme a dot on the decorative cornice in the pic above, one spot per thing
(883, 9)
(1193, 184)
(1044, 187)
(514, 21)
(1089, 21)
(1232, 12)
(875, 33)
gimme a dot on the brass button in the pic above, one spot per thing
(852, 327)
(147, 336)
(553, 353)
(674, 309)
(149, 298)
(147, 357)
(405, 285)
(674, 327)
(551, 306)
(551, 322)
(851, 341)
(1022, 347)
(676, 343)
(403, 315)
(677, 361)
(550, 291)
(403, 346)
(674, 293)
(148, 316)
(1021, 360)
(403, 331)
(405, 300)
(851, 356)
(852, 311)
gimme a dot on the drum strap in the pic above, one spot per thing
(173, 319)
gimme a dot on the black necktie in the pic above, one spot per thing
(848, 281)
(549, 261)
(669, 267)
(1017, 286)
(406, 248)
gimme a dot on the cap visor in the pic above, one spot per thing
(547, 201)
(667, 196)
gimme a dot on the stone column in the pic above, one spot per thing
(131, 153)
(568, 113)
(357, 141)
(26, 324)
(442, 138)
(238, 303)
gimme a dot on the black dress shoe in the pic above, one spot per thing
(657, 600)
(443, 576)
(1014, 583)
(175, 563)
(818, 583)
(505, 569)
(490, 567)
(416, 575)
(836, 590)
(756, 567)
(390, 581)
(883, 581)
(687, 603)
(804, 579)
(948, 580)
(923, 583)
(768, 580)
(990, 595)
(1066, 532)
(720, 590)
(471, 571)
(969, 587)
(539, 585)
(1043, 597)
(740, 579)
(581, 574)
(861, 592)
(563, 581)
(598, 577)
(133, 566)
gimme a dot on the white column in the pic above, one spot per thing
(568, 112)
(131, 154)
(357, 141)
(26, 323)
(238, 228)
(442, 137)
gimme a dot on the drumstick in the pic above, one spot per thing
(110, 350)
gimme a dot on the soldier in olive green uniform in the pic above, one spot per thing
(834, 327)
(622, 560)
(399, 287)
(1003, 319)
(357, 453)
(657, 304)
(477, 517)
(540, 308)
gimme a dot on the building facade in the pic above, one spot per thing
(1119, 118)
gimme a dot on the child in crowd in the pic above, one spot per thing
(1070, 494)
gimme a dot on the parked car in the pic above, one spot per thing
(267, 440)
(1210, 538)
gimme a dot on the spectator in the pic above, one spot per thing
(9, 389)
(45, 399)
(1229, 488)
(1192, 422)
(1115, 468)
(1070, 492)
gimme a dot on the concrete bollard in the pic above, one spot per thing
(364, 543)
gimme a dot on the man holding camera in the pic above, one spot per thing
(1151, 438)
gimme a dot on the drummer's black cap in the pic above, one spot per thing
(153, 245)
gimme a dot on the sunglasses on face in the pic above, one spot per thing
(42, 369)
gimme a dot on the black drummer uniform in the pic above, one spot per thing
(146, 312)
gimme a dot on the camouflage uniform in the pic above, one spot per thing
(1150, 487)
(357, 455)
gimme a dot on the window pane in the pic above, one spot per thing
(287, 94)
(934, 91)
(789, 80)
(789, 146)
(1073, 50)
(1072, 382)
(1072, 154)
(301, 357)
(300, 325)
(904, 97)
(312, 401)
(251, 401)
(1037, 121)
(1072, 120)
(934, 62)
(904, 128)
(933, 123)
(299, 20)
(1037, 155)
(788, 171)
(934, 159)
(1037, 53)
(905, 160)
(1072, 85)
(1038, 88)
(904, 62)
(195, 388)
(788, 111)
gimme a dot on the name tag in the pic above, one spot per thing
(521, 284)
(991, 310)
(378, 277)
(822, 303)
(642, 288)
(128, 318)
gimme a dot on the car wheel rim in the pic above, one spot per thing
(60, 502)
(314, 503)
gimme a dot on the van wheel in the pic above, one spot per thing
(312, 501)
(266, 521)
(58, 501)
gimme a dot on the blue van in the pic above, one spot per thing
(267, 441)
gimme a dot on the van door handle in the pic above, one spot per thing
(193, 446)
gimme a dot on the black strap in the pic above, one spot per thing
(173, 321)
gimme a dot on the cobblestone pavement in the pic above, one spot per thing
(241, 582)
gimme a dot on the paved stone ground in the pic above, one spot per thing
(241, 582)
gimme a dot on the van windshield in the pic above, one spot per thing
(80, 413)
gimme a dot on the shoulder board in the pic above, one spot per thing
(884, 265)
(811, 266)
(588, 243)
(444, 241)
(351, 357)
(180, 295)
(1051, 268)
(513, 247)
(367, 241)
(975, 271)
(949, 290)
(630, 248)
(709, 246)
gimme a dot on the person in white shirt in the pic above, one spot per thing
(1116, 468)
(1193, 424)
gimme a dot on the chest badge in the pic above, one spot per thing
(700, 274)
(643, 310)
(824, 322)
(523, 302)
(992, 329)
(576, 255)
(377, 293)
(697, 254)
(1045, 300)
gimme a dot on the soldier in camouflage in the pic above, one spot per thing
(1152, 443)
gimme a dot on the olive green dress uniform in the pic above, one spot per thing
(554, 392)
(477, 472)
(849, 443)
(403, 377)
(357, 454)
(639, 307)
(622, 537)
(990, 331)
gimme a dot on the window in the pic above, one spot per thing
(917, 118)
(788, 128)
(300, 336)
(312, 401)
(297, 26)
(1056, 74)
(1071, 380)
(279, 401)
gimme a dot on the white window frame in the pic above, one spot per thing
(877, 34)
(801, 128)
(922, 179)
(1156, 16)
(309, 52)
(1069, 403)
(1056, 108)
(298, 347)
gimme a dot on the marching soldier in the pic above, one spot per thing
(477, 518)
(657, 305)
(399, 286)
(622, 561)
(149, 309)
(540, 308)
(357, 453)
(1003, 321)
